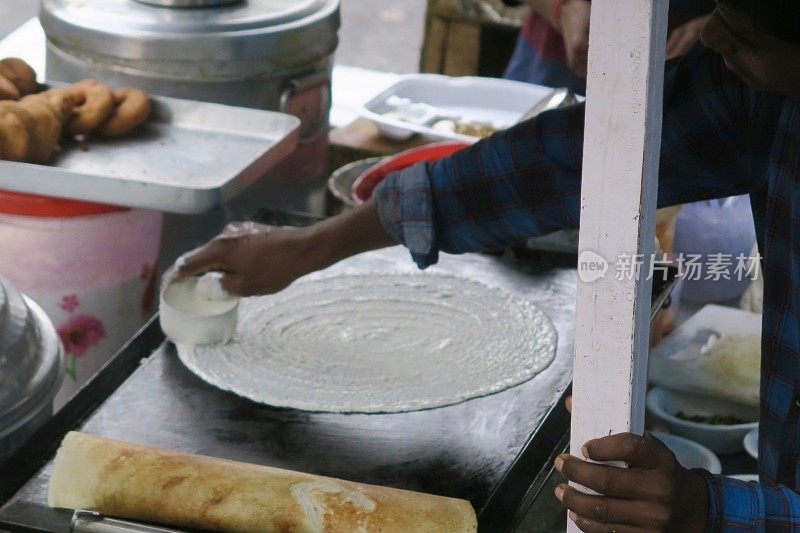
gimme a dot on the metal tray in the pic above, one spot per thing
(190, 157)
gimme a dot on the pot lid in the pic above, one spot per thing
(31, 358)
(139, 30)
(189, 3)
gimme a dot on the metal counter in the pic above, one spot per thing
(487, 450)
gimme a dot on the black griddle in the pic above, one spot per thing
(495, 451)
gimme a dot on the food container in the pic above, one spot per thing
(665, 405)
(265, 54)
(423, 103)
(189, 317)
(31, 368)
(91, 267)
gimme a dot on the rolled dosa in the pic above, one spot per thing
(150, 484)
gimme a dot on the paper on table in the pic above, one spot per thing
(717, 352)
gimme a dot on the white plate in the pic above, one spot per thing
(751, 444)
(690, 454)
(501, 103)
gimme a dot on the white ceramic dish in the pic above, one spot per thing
(501, 103)
(751, 444)
(724, 439)
(187, 317)
(690, 454)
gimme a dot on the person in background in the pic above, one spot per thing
(552, 50)
(731, 127)
(553, 46)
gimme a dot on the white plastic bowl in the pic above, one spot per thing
(751, 444)
(690, 454)
(723, 439)
(189, 318)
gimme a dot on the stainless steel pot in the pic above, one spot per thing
(266, 54)
(31, 368)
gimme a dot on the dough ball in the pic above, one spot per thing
(132, 109)
(94, 103)
(8, 91)
(20, 73)
(27, 121)
(14, 137)
(46, 131)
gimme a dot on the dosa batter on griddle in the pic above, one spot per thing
(378, 343)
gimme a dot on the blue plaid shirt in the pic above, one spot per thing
(721, 138)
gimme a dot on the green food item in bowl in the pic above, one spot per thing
(713, 420)
(703, 419)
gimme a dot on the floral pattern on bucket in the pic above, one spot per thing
(79, 333)
(70, 303)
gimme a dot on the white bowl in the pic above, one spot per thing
(690, 454)
(189, 318)
(751, 444)
(723, 439)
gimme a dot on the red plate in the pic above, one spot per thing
(365, 184)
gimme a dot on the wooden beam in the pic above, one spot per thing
(463, 52)
(434, 45)
(620, 177)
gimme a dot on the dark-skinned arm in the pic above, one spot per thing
(259, 259)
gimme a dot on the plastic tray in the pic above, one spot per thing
(501, 103)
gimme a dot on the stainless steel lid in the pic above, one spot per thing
(129, 29)
(189, 3)
(31, 358)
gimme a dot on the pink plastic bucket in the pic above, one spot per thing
(91, 267)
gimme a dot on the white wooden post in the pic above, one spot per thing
(618, 205)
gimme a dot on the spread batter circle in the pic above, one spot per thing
(378, 343)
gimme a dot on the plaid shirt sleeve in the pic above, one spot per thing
(738, 506)
(525, 181)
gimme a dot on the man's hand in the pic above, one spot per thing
(255, 259)
(682, 38)
(574, 26)
(654, 494)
